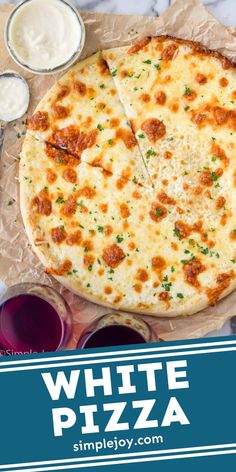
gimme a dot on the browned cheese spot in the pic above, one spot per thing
(51, 176)
(164, 198)
(42, 203)
(154, 129)
(157, 212)
(220, 202)
(124, 210)
(74, 239)
(170, 52)
(223, 280)
(160, 98)
(223, 82)
(73, 140)
(69, 208)
(191, 271)
(142, 275)
(39, 121)
(80, 87)
(113, 255)
(127, 137)
(58, 234)
(60, 112)
(139, 45)
(62, 269)
(201, 79)
(70, 175)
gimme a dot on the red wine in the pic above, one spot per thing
(112, 335)
(29, 324)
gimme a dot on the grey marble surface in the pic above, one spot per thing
(224, 10)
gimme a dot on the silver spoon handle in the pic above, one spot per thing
(2, 133)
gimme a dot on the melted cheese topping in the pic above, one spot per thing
(168, 251)
(84, 106)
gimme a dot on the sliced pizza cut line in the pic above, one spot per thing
(82, 115)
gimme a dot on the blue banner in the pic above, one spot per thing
(162, 405)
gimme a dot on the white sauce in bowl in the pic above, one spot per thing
(44, 34)
(14, 98)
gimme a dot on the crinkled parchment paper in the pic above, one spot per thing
(187, 19)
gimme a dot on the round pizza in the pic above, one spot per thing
(128, 178)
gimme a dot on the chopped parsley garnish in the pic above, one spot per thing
(167, 285)
(80, 203)
(180, 295)
(90, 267)
(74, 271)
(98, 261)
(114, 73)
(81, 226)
(136, 250)
(119, 239)
(214, 176)
(213, 138)
(100, 229)
(172, 269)
(158, 212)
(187, 90)
(60, 200)
(86, 249)
(148, 61)
(213, 158)
(151, 152)
(186, 251)
(111, 271)
(186, 108)
(141, 135)
(157, 66)
(99, 126)
(176, 232)
(10, 203)
(110, 141)
(102, 86)
(88, 285)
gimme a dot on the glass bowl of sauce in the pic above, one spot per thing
(44, 36)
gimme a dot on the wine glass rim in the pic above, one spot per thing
(6, 296)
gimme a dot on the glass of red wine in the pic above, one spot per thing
(117, 329)
(33, 318)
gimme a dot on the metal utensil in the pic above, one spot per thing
(3, 122)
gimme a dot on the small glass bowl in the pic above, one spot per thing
(44, 71)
